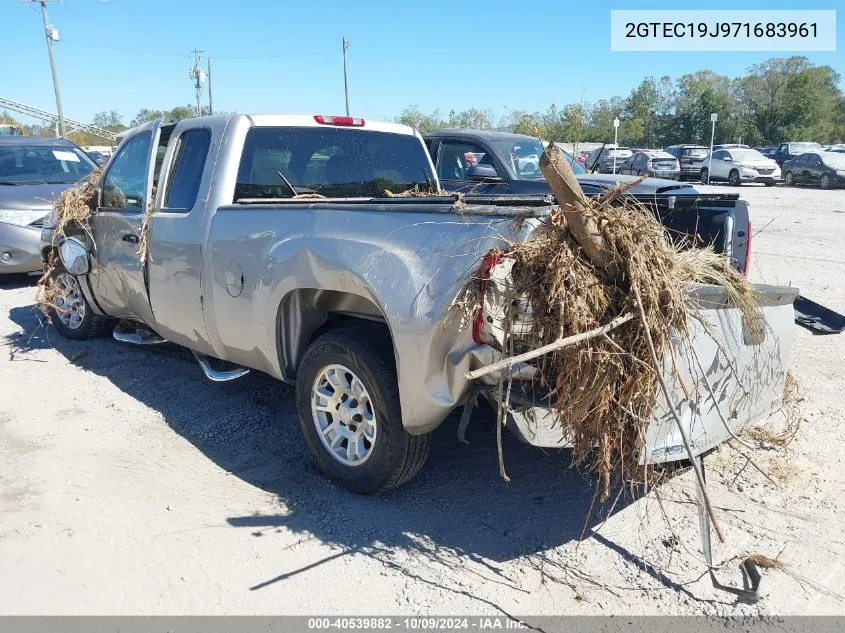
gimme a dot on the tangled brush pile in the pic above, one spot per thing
(73, 210)
(592, 261)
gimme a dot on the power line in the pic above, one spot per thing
(189, 55)
(128, 50)
(287, 56)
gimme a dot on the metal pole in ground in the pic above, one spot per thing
(210, 109)
(52, 34)
(713, 118)
(615, 141)
(345, 84)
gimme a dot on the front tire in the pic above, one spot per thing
(770, 183)
(705, 177)
(789, 179)
(73, 316)
(347, 396)
(825, 182)
(733, 178)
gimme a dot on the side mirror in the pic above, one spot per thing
(74, 256)
(481, 173)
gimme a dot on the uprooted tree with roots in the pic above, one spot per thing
(609, 298)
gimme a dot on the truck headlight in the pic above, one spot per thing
(21, 217)
(840, 173)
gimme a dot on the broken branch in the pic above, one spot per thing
(545, 349)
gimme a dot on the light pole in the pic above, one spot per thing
(713, 118)
(52, 35)
(345, 84)
(615, 141)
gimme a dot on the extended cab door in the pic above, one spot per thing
(126, 189)
(176, 235)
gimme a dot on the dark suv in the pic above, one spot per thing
(691, 158)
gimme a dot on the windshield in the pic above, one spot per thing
(747, 154)
(804, 148)
(834, 159)
(696, 152)
(524, 156)
(35, 164)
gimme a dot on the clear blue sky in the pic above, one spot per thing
(435, 54)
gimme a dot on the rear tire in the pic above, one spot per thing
(789, 179)
(824, 182)
(770, 183)
(76, 319)
(733, 178)
(364, 447)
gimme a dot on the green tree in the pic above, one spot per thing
(790, 99)
(413, 117)
(111, 120)
(641, 112)
(699, 95)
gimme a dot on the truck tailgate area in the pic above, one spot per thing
(739, 383)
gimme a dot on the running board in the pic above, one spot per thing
(138, 335)
(218, 376)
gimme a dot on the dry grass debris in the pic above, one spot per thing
(74, 208)
(791, 414)
(603, 391)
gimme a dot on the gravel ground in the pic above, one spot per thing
(130, 484)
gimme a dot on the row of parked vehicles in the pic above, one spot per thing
(793, 163)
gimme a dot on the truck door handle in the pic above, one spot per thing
(129, 237)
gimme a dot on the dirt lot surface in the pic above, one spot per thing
(130, 484)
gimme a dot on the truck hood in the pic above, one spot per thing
(38, 197)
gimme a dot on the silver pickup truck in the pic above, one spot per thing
(273, 247)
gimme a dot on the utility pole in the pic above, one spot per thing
(52, 35)
(210, 110)
(345, 84)
(713, 118)
(198, 76)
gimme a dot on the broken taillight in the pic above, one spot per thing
(347, 121)
(487, 264)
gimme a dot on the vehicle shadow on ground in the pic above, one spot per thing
(17, 281)
(457, 512)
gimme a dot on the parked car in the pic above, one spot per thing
(788, 151)
(603, 159)
(347, 294)
(34, 170)
(737, 166)
(98, 157)
(825, 169)
(768, 151)
(691, 159)
(652, 163)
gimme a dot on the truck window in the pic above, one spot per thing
(123, 185)
(186, 172)
(332, 161)
(456, 157)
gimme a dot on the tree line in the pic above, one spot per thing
(781, 99)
